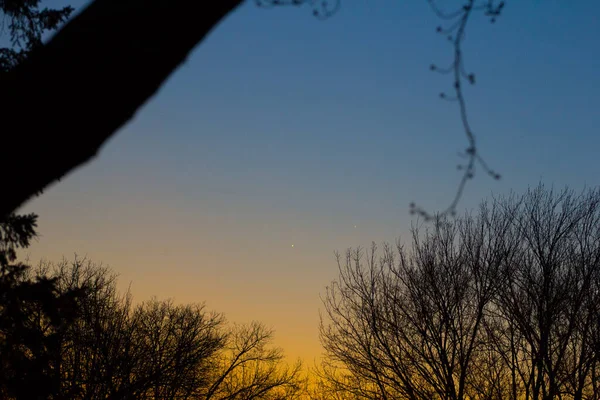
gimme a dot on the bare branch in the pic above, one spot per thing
(321, 8)
(455, 32)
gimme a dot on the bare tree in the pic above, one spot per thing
(549, 301)
(112, 350)
(501, 304)
(159, 350)
(96, 349)
(410, 323)
(249, 368)
(332, 381)
(177, 346)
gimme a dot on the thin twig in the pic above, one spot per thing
(321, 8)
(456, 33)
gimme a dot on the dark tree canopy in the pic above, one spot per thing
(109, 348)
(26, 25)
(34, 314)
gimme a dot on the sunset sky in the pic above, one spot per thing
(284, 138)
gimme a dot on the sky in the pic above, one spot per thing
(284, 138)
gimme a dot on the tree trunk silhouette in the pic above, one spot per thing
(62, 104)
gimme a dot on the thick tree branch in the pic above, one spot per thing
(62, 104)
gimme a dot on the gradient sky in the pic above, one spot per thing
(284, 130)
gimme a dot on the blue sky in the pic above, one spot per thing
(282, 129)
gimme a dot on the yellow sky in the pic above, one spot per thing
(242, 264)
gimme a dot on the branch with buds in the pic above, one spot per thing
(455, 33)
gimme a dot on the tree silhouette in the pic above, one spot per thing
(99, 348)
(177, 346)
(501, 304)
(549, 308)
(26, 25)
(130, 47)
(124, 47)
(155, 350)
(250, 369)
(34, 315)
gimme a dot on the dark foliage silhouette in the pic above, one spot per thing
(130, 47)
(109, 348)
(502, 304)
(34, 315)
(26, 25)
